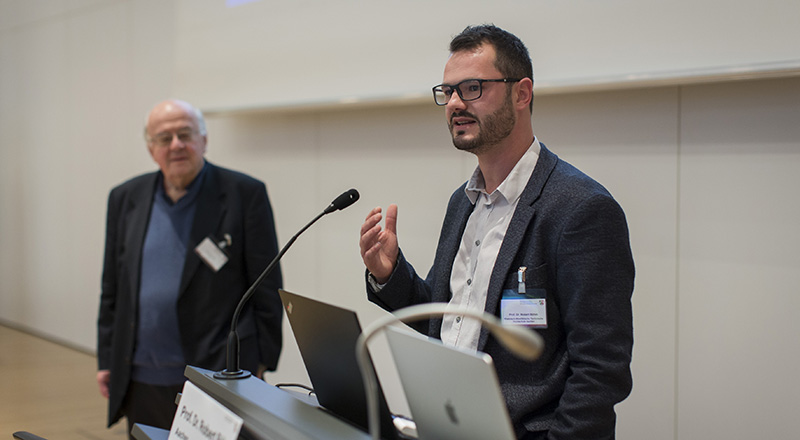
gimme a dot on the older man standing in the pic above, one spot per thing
(182, 246)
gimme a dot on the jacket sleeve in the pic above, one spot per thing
(404, 288)
(595, 275)
(108, 292)
(261, 246)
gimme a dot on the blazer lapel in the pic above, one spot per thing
(456, 218)
(451, 234)
(207, 217)
(523, 215)
(137, 214)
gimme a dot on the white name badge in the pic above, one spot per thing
(200, 417)
(211, 254)
(521, 310)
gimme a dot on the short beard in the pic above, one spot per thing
(493, 129)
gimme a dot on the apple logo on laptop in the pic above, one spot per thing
(451, 411)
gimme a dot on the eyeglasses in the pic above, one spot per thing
(165, 139)
(468, 90)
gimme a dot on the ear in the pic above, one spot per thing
(205, 143)
(524, 93)
(150, 148)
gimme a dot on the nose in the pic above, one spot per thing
(455, 103)
(176, 142)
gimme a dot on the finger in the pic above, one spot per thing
(373, 258)
(369, 238)
(375, 210)
(370, 222)
(371, 252)
(391, 219)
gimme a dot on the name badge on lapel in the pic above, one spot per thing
(213, 253)
(523, 307)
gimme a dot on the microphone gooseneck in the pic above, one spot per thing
(232, 370)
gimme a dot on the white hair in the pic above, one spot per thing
(198, 116)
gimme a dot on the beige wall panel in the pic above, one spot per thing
(42, 159)
(627, 141)
(739, 281)
(12, 148)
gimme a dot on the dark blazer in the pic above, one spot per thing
(573, 238)
(228, 203)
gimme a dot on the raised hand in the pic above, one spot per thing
(379, 247)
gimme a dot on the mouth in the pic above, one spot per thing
(462, 121)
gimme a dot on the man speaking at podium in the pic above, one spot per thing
(527, 225)
(182, 246)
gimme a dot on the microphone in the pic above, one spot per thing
(232, 370)
(346, 199)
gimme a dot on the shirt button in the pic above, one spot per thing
(458, 319)
(477, 242)
(469, 282)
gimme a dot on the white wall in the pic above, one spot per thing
(707, 176)
(76, 78)
(266, 53)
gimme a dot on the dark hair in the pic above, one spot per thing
(513, 60)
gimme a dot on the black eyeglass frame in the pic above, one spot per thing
(457, 88)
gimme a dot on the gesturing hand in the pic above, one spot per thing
(379, 247)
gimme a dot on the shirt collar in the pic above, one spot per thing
(511, 188)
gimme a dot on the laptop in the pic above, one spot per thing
(452, 394)
(326, 336)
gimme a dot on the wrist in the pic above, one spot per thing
(375, 284)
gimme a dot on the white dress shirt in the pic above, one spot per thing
(480, 244)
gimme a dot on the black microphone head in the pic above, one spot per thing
(346, 199)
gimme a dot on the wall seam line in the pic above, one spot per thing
(679, 142)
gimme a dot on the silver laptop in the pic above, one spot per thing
(452, 394)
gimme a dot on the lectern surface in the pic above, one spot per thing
(145, 432)
(271, 413)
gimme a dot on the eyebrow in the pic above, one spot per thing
(185, 128)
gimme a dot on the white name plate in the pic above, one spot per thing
(200, 417)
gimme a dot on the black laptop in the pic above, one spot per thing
(326, 336)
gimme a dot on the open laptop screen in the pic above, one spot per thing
(326, 336)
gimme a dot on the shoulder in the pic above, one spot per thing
(576, 180)
(566, 181)
(229, 175)
(226, 177)
(568, 190)
(142, 182)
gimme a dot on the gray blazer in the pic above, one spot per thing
(573, 238)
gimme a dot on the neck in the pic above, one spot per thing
(174, 191)
(497, 163)
(175, 186)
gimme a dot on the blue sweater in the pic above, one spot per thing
(158, 356)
